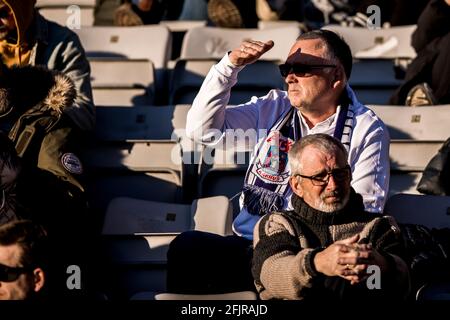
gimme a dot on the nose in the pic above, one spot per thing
(290, 78)
(332, 185)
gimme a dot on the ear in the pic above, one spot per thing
(339, 78)
(296, 186)
(39, 279)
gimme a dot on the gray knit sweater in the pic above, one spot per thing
(285, 244)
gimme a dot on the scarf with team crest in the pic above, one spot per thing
(266, 181)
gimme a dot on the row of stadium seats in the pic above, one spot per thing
(131, 65)
(145, 187)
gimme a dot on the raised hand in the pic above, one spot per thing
(249, 52)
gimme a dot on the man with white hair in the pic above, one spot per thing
(322, 249)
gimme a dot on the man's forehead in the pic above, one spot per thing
(10, 255)
(310, 49)
(314, 157)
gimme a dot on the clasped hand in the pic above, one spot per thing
(348, 259)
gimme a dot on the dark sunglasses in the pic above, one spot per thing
(10, 274)
(300, 70)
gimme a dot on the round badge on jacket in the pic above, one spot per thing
(71, 163)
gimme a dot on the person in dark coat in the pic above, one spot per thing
(429, 70)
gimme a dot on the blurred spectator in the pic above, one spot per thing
(142, 12)
(194, 10)
(32, 113)
(23, 261)
(26, 38)
(280, 10)
(233, 13)
(426, 80)
(104, 12)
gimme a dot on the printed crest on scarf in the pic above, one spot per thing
(273, 159)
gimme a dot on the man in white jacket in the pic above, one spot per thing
(318, 100)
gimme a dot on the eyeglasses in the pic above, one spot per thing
(322, 179)
(10, 274)
(301, 70)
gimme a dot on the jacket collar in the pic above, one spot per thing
(40, 29)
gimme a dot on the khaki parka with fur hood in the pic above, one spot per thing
(32, 101)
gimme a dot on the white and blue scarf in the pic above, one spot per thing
(266, 182)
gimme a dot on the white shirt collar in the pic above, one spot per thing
(326, 126)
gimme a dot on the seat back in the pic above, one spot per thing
(150, 42)
(416, 136)
(67, 12)
(374, 81)
(130, 216)
(145, 169)
(122, 81)
(255, 79)
(136, 235)
(376, 51)
(360, 39)
(213, 43)
(430, 211)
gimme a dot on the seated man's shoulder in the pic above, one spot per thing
(276, 222)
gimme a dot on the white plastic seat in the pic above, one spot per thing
(256, 79)
(122, 81)
(129, 216)
(271, 24)
(182, 25)
(128, 42)
(213, 43)
(416, 134)
(360, 39)
(61, 11)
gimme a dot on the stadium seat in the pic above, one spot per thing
(130, 42)
(129, 216)
(361, 39)
(213, 43)
(203, 46)
(136, 235)
(271, 24)
(150, 42)
(376, 54)
(416, 134)
(122, 82)
(62, 11)
(430, 211)
(256, 79)
(145, 169)
(182, 25)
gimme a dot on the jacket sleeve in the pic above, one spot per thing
(75, 65)
(386, 238)
(370, 166)
(433, 23)
(208, 116)
(281, 268)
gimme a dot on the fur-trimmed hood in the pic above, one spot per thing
(34, 88)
